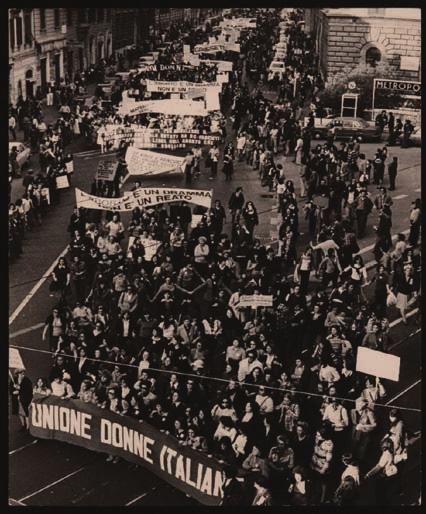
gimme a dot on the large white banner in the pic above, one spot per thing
(220, 46)
(144, 162)
(179, 86)
(171, 107)
(208, 48)
(244, 23)
(221, 65)
(143, 197)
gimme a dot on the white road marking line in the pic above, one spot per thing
(418, 190)
(87, 152)
(26, 330)
(52, 484)
(403, 392)
(13, 502)
(370, 247)
(37, 286)
(399, 197)
(397, 343)
(23, 447)
(397, 321)
(131, 502)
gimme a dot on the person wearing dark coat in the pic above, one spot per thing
(236, 203)
(21, 389)
(233, 493)
(392, 172)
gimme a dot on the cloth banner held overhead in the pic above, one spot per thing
(378, 364)
(162, 67)
(171, 139)
(144, 162)
(143, 197)
(180, 86)
(244, 23)
(171, 107)
(221, 65)
(87, 425)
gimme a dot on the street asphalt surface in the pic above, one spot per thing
(50, 473)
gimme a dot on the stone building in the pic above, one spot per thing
(89, 37)
(36, 50)
(346, 38)
(124, 29)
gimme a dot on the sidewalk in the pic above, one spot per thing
(50, 115)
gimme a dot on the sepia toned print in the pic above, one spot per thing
(214, 257)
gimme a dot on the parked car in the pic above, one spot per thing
(24, 154)
(321, 126)
(279, 55)
(415, 138)
(346, 127)
(276, 68)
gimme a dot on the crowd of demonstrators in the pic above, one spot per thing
(40, 190)
(154, 329)
(48, 142)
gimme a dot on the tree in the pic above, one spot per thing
(363, 76)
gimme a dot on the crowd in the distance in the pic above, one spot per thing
(154, 330)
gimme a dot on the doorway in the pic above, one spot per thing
(29, 84)
(43, 74)
(57, 64)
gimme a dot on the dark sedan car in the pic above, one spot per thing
(345, 128)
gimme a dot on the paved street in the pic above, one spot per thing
(51, 473)
(96, 481)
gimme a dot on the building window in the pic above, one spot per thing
(27, 29)
(373, 56)
(92, 15)
(82, 16)
(100, 15)
(42, 19)
(12, 33)
(57, 17)
(18, 32)
(376, 12)
(69, 17)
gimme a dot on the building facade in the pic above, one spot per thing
(89, 37)
(346, 38)
(36, 50)
(124, 29)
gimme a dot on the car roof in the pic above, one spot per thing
(15, 143)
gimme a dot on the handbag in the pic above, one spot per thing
(390, 299)
(390, 470)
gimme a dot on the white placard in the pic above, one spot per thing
(255, 300)
(378, 364)
(62, 182)
(15, 359)
(196, 218)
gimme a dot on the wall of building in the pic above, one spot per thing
(89, 37)
(349, 38)
(124, 28)
(343, 37)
